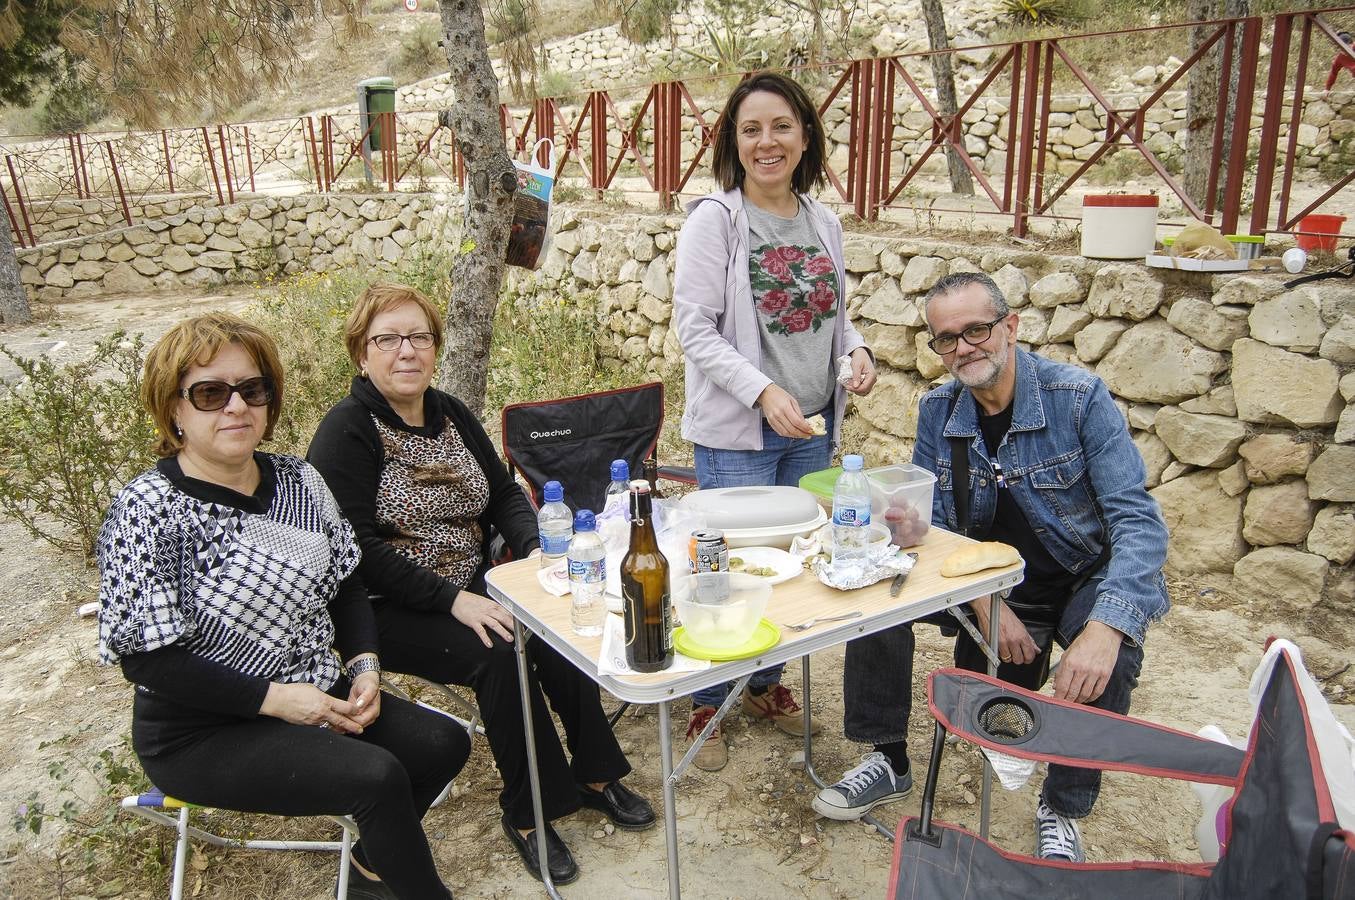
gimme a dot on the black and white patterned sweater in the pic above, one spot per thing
(213, 594)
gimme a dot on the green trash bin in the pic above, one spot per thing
(376, 95)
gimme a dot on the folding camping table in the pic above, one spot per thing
(546, 616)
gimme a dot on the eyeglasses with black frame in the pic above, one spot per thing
(419, 340)
(973, 336)
(209, 396)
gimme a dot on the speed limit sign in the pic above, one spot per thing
(412, 5)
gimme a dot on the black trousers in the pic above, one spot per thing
(437, 647)
(385, 778)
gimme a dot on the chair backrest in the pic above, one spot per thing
(573, 440)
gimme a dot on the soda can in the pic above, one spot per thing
(707, 552)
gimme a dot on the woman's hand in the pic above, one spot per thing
(481, 615)
(863, 372)
(365, 696)
(783, 413)
(306, 704)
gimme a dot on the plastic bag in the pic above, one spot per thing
(673, 525)
(527, 238)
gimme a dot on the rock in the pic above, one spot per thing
(929, 365)
(1291, 320)
(1333, 534)
(1275, 386)
(1033, 325)
(921, 273)
(1175, 469)
(123, 278)
(1245, 290)
(1066, 322)
(1281, 580)
(1233, 480)
(187, 233)
(860, 257)
(59, 276)
(892, 345)
(1347, 387)
(1056, 289)
(1097, 337)
(1270, 458)
(1215, 327)
(892, 405)
(1153, 361)
(1338, 345)
(889, 306)
(654, 309)
(656, 279)
(1124, 291)
(87, 270)
(1156, 457)
(1014, 285)
(1209, 441)
(1204, 522)
(1277, 514)
(1345, 426)
(1142, 416)
(1338, 301)
(1332, 475)
(1218, 402)
(584, 267)
(1144, 75)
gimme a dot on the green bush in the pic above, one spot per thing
(70, 437)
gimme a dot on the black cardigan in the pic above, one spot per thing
(348, 453)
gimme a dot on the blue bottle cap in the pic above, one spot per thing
(620, 470)
(553, 492)
(852, 463)
(584, 520)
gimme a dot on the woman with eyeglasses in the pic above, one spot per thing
(417, 476)
(227, 584)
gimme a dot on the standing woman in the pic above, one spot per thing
(227, 584)
(760, 302)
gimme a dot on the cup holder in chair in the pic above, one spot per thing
(1006, 720)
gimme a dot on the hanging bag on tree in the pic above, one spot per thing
(528, 237)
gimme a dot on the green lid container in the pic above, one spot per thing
(821, 483)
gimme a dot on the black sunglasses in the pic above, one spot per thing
(973, 336)
(209, 396)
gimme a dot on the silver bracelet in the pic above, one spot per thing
(364, 665)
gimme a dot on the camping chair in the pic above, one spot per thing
(156, 807)
(1281, 835)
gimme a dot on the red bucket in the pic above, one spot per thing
(1318, 231)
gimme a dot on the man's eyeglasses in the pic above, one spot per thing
(209, 396)
(973, 336)
(419, 340)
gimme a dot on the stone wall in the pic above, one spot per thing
(57, 220)
(243, 242)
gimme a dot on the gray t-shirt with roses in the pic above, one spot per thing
(795, 292)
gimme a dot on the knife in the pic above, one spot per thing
(897, 584)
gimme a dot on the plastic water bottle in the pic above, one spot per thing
(851, 511)
(618, 491)
(587, 576)
(554, 524)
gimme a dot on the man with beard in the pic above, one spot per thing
(1053, 472)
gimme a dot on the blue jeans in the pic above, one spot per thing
(876, 709)
(781, 461)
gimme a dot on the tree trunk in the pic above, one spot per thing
(491, 180)
(944, 76)
(1202, 97)
(13, 300)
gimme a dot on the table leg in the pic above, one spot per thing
(520, 648)
(985, 804)
(669, 800)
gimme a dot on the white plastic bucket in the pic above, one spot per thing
(1118, 226)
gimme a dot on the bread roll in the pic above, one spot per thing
(977, 557)
(817, 425)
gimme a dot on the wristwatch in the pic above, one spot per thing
(364, 665)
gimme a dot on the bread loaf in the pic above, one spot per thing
(977, 557)
(817, 424)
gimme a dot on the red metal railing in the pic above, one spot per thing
(665, 137)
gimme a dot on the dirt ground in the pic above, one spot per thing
(745, 832)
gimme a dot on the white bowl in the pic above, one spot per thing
(720, 610)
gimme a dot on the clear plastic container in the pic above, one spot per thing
(554, 524)
(587, 576)
(901, 500)
(618, 489)
(851, 511)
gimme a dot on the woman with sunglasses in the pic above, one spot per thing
(227, 586)
(417, 476)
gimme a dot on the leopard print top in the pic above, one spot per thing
(430, 499)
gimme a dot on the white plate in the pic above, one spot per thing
(786, 566)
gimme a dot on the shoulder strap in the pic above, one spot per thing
(959, 470)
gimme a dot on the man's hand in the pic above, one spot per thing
(1085, 667)
(482, 615)
(863, 372)
(783, 413)
(1014, 643)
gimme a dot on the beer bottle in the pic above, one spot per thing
(651, 473)
(644, 589)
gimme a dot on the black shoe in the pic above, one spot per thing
(620, 804)
(563, 868)
(360, 887)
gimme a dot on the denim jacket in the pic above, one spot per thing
(1074, 471)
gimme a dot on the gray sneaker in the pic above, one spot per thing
(862, 789)
(1056, 836)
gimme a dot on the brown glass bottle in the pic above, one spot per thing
(651, 473)
(644, 589)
